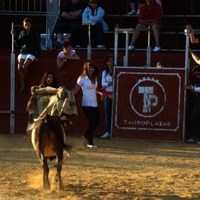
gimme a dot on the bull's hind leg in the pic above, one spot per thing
(46, 183)
(59, 168)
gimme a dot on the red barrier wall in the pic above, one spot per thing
(67, 76)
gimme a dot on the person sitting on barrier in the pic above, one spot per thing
(66, 54)
(195, 114)
(150, 15)
(94, 15)
(69, 21)
(29, 44)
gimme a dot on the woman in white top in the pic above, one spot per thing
(107, 84)
(87, 81)
(66, 54)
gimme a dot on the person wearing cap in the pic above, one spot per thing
(94, 15)
(194, 121)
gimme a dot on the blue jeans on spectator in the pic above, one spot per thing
(108, 113)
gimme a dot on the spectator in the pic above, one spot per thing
(66, 54)
(87, 81)
(135, 6)
(48, 80)
(94, 15)
(150, 15)
(49, 98)
(195, 115)
(69, 22)
(107, 84)
(160, 64)
(29, 44)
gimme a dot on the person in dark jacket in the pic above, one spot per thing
(29, 44)
(194, 120)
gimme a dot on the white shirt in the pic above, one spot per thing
(106, 81)
(89, 97)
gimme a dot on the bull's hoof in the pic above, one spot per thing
(46, 186)
(67, 147)
(60, 186)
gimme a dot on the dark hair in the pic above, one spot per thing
(66, 43)
(108, 57)
(54, 83)
(196, 69)
(28, 19)
(97, 1)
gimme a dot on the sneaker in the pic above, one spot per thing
(157, 49)
(100, 46)
(198, 142)
(131, 47)
(105, 135)
(91, 146)
(191, 140)
(132, 12)
(138, 12)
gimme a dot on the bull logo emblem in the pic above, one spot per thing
(147, 97)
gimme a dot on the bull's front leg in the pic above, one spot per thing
(46, 183)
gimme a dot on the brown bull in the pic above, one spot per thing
(48, 142)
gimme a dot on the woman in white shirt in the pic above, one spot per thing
(107, 84)
(87, 81)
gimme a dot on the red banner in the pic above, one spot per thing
(149, 103)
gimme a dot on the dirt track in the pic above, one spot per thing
(117, 170)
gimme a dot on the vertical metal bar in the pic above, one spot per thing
(89, 48)
(9, 9)
(34, 6)
(187, 70)
(148, 57)
(126, 49)
(116, 37)
(28, 8)
(22, 5)
(40, 5)
(187, 41)
(12, 85)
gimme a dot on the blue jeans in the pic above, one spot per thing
(195, 121)
(107, 113)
